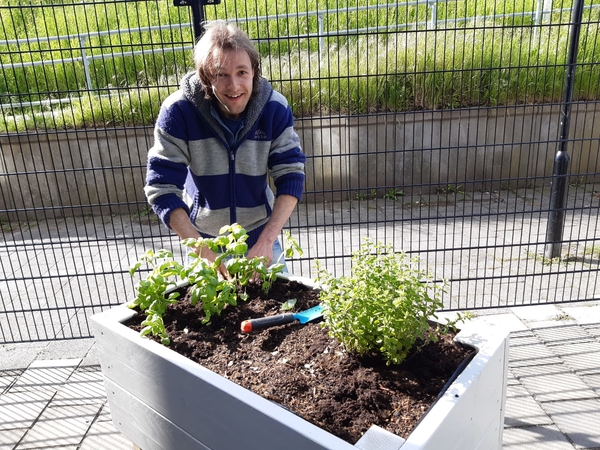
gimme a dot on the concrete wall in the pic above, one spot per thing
(78, 172)
(72, 172)
(422, 152)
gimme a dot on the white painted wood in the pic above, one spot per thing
(176, 396)
(380, 439)
(143, 425)
(471, 411)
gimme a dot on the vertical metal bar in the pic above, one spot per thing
(321, 38)
(433, 22)
(556, 217)
(197, 18)
(537, 18)
(547, 10)
(86, 64)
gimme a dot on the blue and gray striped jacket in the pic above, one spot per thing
(192, 166)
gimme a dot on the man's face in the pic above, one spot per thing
(232, 83)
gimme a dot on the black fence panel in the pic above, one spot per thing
(430, 125)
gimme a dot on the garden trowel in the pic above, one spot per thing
(265, 322)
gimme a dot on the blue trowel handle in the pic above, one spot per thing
(266, 322)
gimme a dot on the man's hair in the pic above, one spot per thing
(218, 36)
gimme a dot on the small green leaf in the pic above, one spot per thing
(288, 304)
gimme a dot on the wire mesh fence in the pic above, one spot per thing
(434, 126)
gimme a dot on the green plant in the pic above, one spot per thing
(208, 288)
(593, 251)
(578, 182)
(384, 306)
(393, 194)
(360, 196)
(451, 189)
(151, 292)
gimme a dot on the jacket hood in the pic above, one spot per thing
(192, 89)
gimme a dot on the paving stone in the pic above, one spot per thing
(505, 321)
(523, 337)
(558, 336)
(585, 313)
(536, 313)
(19, 356)
(580, 361)
(547, 437)
(552, 383)
(66, 349)
(522, 410)
(579, 420)
(592, 381)
(104, 415)
(21, 409)
(535, 326)
(82, 388)
(45, 374)
(91, 358)
(9, 438)
(531, 354)
(511, 380)
(593, 330)
(8, 377)
(60, 426)
(104, 436)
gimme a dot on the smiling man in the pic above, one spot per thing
(216, 141)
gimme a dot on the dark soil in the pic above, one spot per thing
(304, 370)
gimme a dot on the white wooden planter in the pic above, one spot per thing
(162, 400)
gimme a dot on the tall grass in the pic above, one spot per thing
(470, 64)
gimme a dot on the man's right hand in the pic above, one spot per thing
(209, 255)
(182, 225)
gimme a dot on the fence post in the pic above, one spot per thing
(433, 22)
(556, 217)
(86, 63)
(547, 10)
(197, 14)
(321, 37)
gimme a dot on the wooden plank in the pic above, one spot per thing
(144, 426)
(473, 406)
(380, 439)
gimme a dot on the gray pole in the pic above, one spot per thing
(558, 197)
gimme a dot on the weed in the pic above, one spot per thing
(451, 189)
(393, 194)
(578, 182)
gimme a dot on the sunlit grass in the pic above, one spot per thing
(474, 64)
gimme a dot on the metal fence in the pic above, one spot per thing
(463, 133)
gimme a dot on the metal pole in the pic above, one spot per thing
(197, 18)
(556, 217)
(197, 14)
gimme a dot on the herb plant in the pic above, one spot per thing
(208, 289)
(384, 306)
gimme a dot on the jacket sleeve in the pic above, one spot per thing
(168, 161)
(286, 159)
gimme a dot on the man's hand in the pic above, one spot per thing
(207, 254)
(262, 248)
(182, 225)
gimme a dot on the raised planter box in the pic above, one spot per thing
(162, 400)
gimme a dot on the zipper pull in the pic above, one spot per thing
(232, 155)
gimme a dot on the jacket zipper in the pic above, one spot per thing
(232, 202)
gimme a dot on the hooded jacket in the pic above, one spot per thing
(192, 166)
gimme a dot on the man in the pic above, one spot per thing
(217, 139)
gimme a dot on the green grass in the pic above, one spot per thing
(486, 65)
